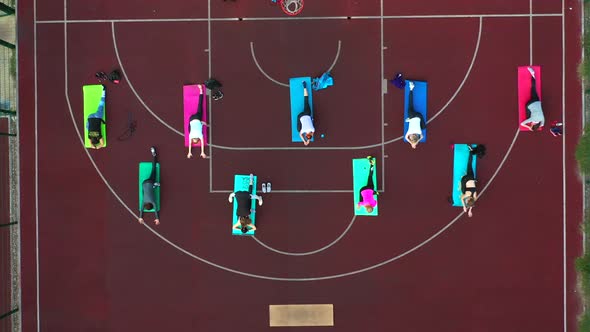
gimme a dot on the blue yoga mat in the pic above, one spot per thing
(241, 183)
(461, 156)
(296, 88)
(420, 104)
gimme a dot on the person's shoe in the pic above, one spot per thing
(156, 184)
(371, 160)
(304, 84)
(264, 188)
(532, 71)
(260, 201)
(251, 179)
(268, 187)
(153, 151)
(411, 84)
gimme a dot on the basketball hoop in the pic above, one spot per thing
(291, 7)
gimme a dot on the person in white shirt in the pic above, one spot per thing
(304, 119)
(415, 121)
(534, 112)
(195, 127)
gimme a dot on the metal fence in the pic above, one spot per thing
(9, 165)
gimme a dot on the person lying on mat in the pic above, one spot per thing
(94, 124)
(304, 119)
(148, 186)
(244, 203)
(415, 121)
(534, 112)
(468, 181)
(368, 192)
(195, 127)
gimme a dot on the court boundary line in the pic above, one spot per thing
(307, 253)
(231, 19)
(281, 83)
(37, 273)
(382, 99)
(564, 169)
(65, 22)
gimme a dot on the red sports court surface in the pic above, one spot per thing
(420, 266)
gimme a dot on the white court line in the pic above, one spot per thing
(307, 253)
(362, 147)
(294, 191)
(475, 52)
(37, 274)
(229, 19)
(227, 269)
(133, 88)
(286, 84)
(382, 101)
(210, 108)
(564, 167)
(531, 33)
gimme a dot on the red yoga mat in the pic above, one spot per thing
(191, 102)
(524, 91)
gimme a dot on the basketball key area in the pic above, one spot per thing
(420, 257)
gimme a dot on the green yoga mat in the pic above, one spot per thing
(460, 158)
(145, 170)
(92, 95)
(241, 183)
(360, 174)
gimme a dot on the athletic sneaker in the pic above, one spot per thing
(268, 187)
(264, 188)
(411, 84)
(251, 179)
(532, 71)
(156, 184)
(153, 151)
(371, 160)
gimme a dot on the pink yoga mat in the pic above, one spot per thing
(191, 96)
(524, 91)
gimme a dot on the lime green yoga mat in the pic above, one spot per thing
(242, 183)
(92, 95)
(145, 170)
(360, 174)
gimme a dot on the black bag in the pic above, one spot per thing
(213, 84)
(115, 76)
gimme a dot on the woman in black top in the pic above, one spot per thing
(244, 203)
(468, 181)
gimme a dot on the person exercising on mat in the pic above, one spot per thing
(368, 192)
(534, 111)
(94, 124)
(195, 127)
(304, 119)
(468, 181)
(148, 186)
(415, 121)
(244, 203)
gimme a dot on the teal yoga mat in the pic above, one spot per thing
(461, 156)
(241, 183)
(145, 169)
(360, 174)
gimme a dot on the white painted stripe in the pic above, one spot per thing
(229, 19)
(210, 106)
(37, 273)
(294, 191)
(131, 84)
(531, 33)
(475, 52)
(563, 165)
(307, 253)
(382, 103)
